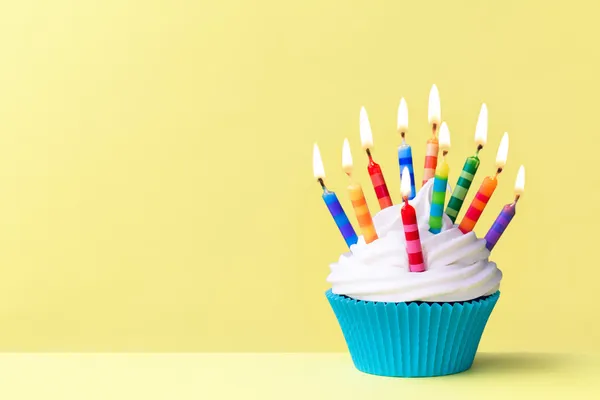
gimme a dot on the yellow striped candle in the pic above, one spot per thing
(434, 118)
(357, 197)
(440, 184)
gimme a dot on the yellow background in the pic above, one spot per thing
(296, 376)
(155, 163)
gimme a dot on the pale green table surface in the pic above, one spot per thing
(286, 376)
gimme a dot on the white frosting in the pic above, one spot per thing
(457, 265)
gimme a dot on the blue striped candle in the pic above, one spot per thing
(340, 217)
(405, 160)
(332, 202)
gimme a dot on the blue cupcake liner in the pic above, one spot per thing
(414, 339)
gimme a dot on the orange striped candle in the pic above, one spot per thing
(485, 191)
(479, 202)
(357, 197)
(431, 156)
(434, 117)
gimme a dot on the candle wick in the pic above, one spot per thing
(434, 129)
(444, 154)
(350, 177)
(403, 134)
(405, 198)
(322, 184)
(517, 197)
(369, 155)
(498, 171)
(479, 147)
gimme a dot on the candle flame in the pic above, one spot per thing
(435, 114)
(402, 116)
(346, 158)
(444, 137)
(482, 126)
(318, 169)
(520, 181)
(405, 182)
(366, 136)
(502, 152)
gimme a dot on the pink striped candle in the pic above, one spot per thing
(411, 229)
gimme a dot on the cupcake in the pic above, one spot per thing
(414, 293)
(414, 324)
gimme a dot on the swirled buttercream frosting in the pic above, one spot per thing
(457, 265)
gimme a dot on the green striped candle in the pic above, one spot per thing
(462, 187)
(469, 169)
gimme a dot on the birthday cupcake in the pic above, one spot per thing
(413, 296)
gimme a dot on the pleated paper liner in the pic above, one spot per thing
(412, 339)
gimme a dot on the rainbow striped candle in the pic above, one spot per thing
(332, 202)
(469, 169)
(357, 197)
(414, 249)
(405, 159)
(434, 117)
(366, 137)
(440, 184)
(507, 213)
(485, 191)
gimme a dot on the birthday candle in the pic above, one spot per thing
(440, 183)
(469, 169)
(404, 150)
(411, 229)
(507, 213)
(485, 190)
(366, 137)
(434, 117)
(357, 197)
(332, 202)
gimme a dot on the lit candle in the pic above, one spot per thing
(404, 150)
(485, 190)
(470, 168)
(357, 197)
(440, 184)
(411, 229)
(332, 202)
(434, 116)
(366, 137)
(507, 213)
